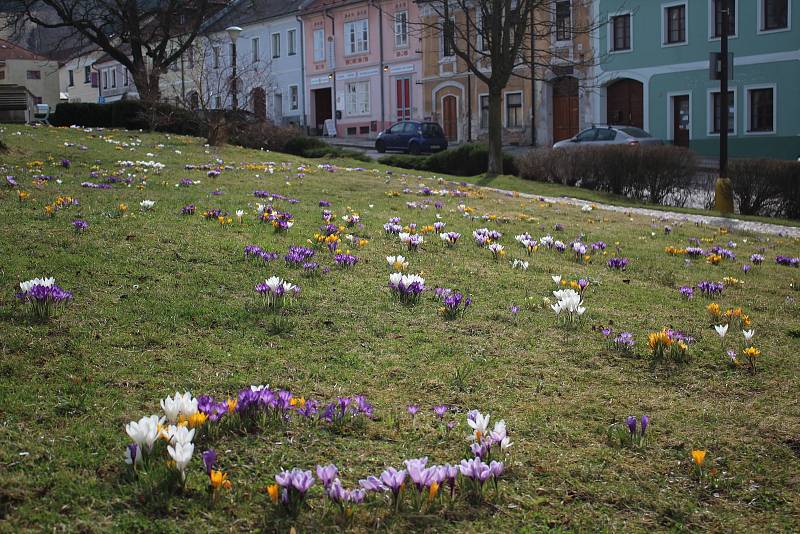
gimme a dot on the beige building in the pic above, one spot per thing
(37, 74)
(78, 79)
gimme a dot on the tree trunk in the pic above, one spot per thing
(495, 132)
(147, 85)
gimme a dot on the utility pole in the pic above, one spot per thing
(233, 33)
(723, 198)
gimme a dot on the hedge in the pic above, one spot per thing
(465, 160)
(766, 187)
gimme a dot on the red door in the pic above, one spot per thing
(450, 118)
(565, 108)
(625, 103)
(403, 92)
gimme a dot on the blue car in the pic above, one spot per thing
(414, 137)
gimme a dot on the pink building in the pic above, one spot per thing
(362, 62)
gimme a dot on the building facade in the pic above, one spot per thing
(78, 79)
(655, 74)
(363, 65)
(36, 73)
(114, 81)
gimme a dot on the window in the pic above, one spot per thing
(294, 98)
(356, 36)
(215, 52)
(37, 100)
(774, 15)
(621, 32)
(587, 136)
(125, 78)
(276, 45)
(513, 110)
(71, 77)
(291, 42)
(761, 110)
(87, 74)
(254, 48)
(606, 134)
(218, 102)
(484, 101)
(105, 78)
(2, 75)
(401, 29)
(717, 6)
(34, 75)
(716, 105)
(563, 20)
(94, 79)
(319, 45)
(448, 35)
(357, 102)
(190, 56)
(113, 78)
(675, 28)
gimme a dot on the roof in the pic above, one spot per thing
(248, 12)
(9, 50)
(320, 5)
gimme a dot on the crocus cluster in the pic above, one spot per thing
(406, 287)
(43, 294)
(280, 220)
(454, 303)
(618, 263)
(669, 343)
(254, 251)
(80, 225)
(449, 238)
(189, 209)
(345, 260)
(497, 250)
(277, 292)
(631, 434)
(92, 185)
(569, 305)
(528, 242)
(412, 241)
(397, 263)
(787, 261)
(298, 255)
(710, 289)
(757, 259)
(686, 292)
(484, 236)
(393, 226)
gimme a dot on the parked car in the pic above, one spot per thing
(413, 137)
(610, 135)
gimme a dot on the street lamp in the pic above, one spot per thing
(723, 190)
(233, 32)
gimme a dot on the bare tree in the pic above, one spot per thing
(210, 83)
(146, 36)
(500, 39)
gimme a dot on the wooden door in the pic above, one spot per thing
(625, 103)
(403, 92)
(565, 108)
(450, 117)
(680, 120)
(259, 97)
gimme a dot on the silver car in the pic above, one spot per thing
(610, 135)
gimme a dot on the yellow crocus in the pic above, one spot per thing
(219, 479)
(698, 456)
(274, 492)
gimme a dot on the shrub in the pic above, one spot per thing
(766, 187)
(3, 146)
(405, 162)
(264, 135)
(465, 160)
(790, 190)
(300, 144)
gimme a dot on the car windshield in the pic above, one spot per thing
(432, 130)
(635, 132)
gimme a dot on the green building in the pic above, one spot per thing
(654, 73)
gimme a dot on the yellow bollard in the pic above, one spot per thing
(723, 198)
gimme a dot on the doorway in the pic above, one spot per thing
(450, 117)
(403, 91)
(323, 108)
(259, 97)
(565, 108)
(625, 103)
(680, 120)
(277, 112)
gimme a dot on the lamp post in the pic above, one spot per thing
(233, 32)
(723, 191)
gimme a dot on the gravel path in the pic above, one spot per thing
(731, 224)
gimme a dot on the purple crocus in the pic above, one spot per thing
(393, 479)
(440, 410)
(371, 483)
(80, 225)
(412, 409)
(327, 474)
(645, 422)
(209, 460)
(631, 422)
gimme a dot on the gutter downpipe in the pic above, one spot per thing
(333, 69)
(304, 123)
(381, 67)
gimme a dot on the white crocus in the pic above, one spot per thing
(395, 279)
(147, 205)
(721, 329)
(556, 278)
(479, 424)
(748, 334)
(145, 431)
(46, 282)
(182, 454)
(172, 407)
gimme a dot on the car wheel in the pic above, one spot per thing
(413, 149)
(380, 146)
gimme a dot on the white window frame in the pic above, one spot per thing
(664, 7)
(571, 25)
(353, 44)
(521, 108)
(398, 26)
(349, 106)
(610, 32)
(671, 112)
(710, 111)
(319, 52)
(276, 50)
(712, 23)
(255, 49)
(125, 78)
(760, 28)
(747, 89)
(291, 42)
(105, 78)
(294, 106)
(480, 112)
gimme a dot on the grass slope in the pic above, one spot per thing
(165, 302)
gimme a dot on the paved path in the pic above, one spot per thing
(732, 224)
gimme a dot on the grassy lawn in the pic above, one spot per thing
(165, 302)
